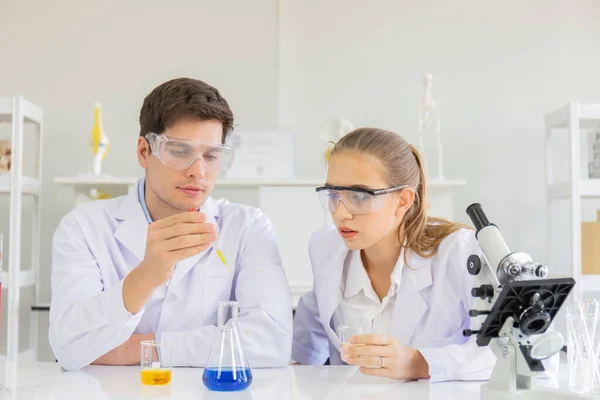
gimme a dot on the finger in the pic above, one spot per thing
(187, 217)
(183, 242)
(371, 362)
(184, 229)
(383, 372)
(372, 339)
(367, 351)
(182, 254)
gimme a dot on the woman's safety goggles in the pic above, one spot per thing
(356, 200)
(181, 154)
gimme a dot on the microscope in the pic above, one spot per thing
(515, 304)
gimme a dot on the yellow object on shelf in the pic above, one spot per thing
(590, 247)
(99, 143)
(98, 194)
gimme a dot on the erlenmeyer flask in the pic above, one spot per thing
(227, 369)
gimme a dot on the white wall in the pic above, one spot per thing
(498, 67)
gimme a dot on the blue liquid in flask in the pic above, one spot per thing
(226, 380)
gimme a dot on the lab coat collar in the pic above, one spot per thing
(133, 230)
(330, 284)
(356, 277)
(410, 305)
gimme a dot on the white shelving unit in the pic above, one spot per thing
(18, 112)
(572, 118)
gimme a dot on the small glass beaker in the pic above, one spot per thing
(345, 332)
(156, 363)
(227, 369)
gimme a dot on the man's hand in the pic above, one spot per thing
(169, 241)
(128, 353)
(174, 239)
(383, 355)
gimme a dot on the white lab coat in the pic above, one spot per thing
(430, 312)
(97, 245)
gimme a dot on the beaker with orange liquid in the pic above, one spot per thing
(156, 363)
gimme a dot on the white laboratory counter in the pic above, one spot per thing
(48, 381)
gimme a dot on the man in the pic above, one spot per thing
(141, 267)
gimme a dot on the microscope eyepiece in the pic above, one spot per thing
(477, 216)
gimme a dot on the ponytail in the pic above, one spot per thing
(423, 234)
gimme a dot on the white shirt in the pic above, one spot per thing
(359, 304)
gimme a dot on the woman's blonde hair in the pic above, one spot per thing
(403, 164)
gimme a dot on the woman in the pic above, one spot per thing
(389, 267)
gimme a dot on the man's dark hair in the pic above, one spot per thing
(181, 99)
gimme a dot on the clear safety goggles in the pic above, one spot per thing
(356, 200)
(181, 154)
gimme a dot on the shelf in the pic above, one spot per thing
(31, 112)
(560, 117)
(111, 185)
(93, 181)
(269, 182)
(589, 188)
(431, 185)
(30, 186)
(590, 283)
(27, 279)
(589, 111)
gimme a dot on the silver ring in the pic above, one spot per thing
(382, 362)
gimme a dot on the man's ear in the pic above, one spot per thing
(143, 152)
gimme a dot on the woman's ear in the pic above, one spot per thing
(406, 199)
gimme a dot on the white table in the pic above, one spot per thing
(48, 381)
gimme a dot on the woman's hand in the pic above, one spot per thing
(383, 355)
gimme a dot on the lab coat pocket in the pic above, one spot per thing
(217, 287)
(217, 270)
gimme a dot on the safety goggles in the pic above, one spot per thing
(356, 200)
(181, 154)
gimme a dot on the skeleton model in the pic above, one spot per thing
(429, 122)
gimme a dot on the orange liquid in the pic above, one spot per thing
(156, 377)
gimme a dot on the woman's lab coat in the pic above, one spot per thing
(430, 312)
(96, 246)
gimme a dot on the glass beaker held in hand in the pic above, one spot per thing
(345, 332)
(227, 369)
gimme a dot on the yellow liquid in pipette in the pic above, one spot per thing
(156, 376)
